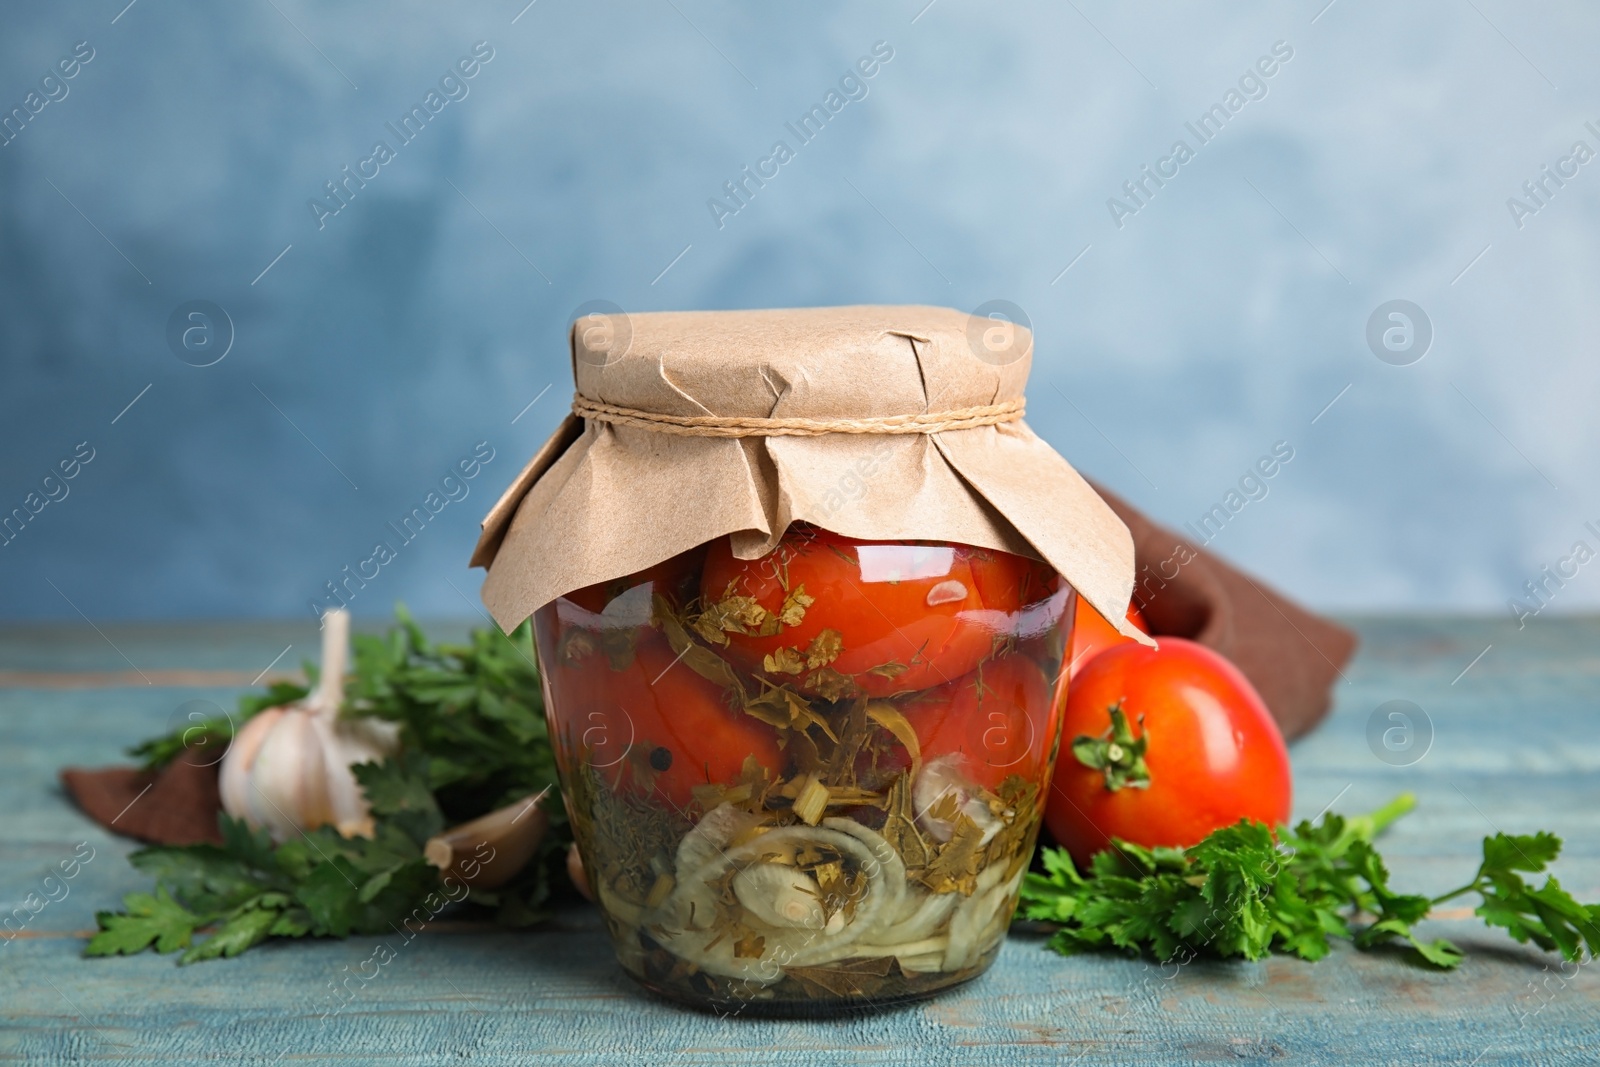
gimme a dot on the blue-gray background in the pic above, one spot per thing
(423, 318)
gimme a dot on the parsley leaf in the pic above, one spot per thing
(397, 790)
(1548, 916)
(1240, 893)
(244, 928)
(148, 919)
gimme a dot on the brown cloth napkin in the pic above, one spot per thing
(1291, 656)
(176, 805)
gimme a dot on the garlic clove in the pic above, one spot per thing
(346, 742)
(781, 896)
(341, 793)
(233, 780)
(489, 851)
(942, 778)
(580, 880)
(288, 788)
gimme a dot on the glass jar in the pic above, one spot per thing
(811, 780)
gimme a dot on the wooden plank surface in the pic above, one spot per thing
(1515, 747)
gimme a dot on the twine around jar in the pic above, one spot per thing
(729, 426)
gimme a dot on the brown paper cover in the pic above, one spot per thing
(600, 501)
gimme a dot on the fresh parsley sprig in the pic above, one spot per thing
(476, 709)
(319, 884)
(1240, 892)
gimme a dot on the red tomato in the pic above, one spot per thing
(587, 626)
(1212, 750)
(908, 615)
(998, 720)
(658, 726)
(1091, 633)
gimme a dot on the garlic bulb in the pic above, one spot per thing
(288, 768)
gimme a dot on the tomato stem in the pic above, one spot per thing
(1116, 753)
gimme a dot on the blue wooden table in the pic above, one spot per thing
(1514, 746)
